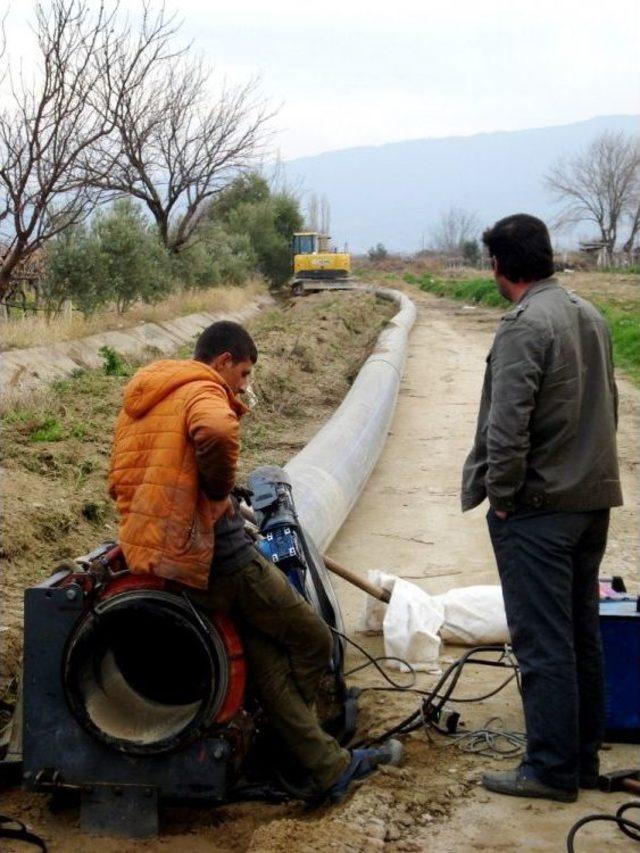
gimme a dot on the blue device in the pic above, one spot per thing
(282, 546)
(620, 628)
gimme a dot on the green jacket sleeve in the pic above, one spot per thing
(517, 367)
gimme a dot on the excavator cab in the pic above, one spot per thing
(313, 258)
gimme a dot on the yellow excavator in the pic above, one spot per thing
(313, 259)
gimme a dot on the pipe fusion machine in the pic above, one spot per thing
(133, 695)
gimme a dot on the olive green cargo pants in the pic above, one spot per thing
(288, 648)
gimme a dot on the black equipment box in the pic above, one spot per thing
(620, 628)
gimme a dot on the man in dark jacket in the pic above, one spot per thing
(545, 457)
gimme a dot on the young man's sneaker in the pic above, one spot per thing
(363, 763)
(517, 783)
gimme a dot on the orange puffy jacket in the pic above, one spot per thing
(173, 463)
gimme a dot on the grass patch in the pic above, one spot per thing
(632, 269)
(479, 291)
(622, 315)
(624, 324)
(50, 429)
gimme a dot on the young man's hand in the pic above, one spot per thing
(222, 508)
(501, 513)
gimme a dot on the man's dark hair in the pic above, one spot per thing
(225, 336)
(522, 248)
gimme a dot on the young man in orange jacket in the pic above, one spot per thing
(172, 470)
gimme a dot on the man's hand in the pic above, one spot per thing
(222, 508)
(502, 514)
(242, 494)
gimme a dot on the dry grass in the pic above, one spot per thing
(33, 331)
(35, 398)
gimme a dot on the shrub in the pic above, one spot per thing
(112, 363)
(75, 270)
(119, 259)
(248, 210)
(251, 188)
(135, 262)
(94, 511)
(471, 252)
(215, 257)
(378, 253)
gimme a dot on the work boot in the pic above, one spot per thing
(589, 781)
(519, 783)
(363, 763)
(589, 774)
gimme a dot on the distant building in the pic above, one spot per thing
(596, 250)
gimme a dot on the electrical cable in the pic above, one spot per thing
(456, 699)
(410, 688)
(630, 828)
(462, 699)
(375, 661)
(487, 741)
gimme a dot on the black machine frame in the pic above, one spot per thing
(120, 789)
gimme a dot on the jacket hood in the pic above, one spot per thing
(157, 380)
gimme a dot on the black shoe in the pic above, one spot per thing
(589, 781)
(589, 771)
(516, 784)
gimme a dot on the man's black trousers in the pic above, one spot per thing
(548, 564)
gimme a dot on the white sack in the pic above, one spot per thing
(374, 610)
(474, 615)
(411, 626)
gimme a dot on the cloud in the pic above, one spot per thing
(347, 74)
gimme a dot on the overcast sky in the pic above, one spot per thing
(344, 73)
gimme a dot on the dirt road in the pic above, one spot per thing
(408, 522)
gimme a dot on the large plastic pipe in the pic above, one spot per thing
(330, 472)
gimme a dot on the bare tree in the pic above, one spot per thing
(51, 128)
(634, 212)
(598, 185)
(4, 196)
(630, 242)
(177, 145)
(312, 216)
(454, 227)
(325, 215)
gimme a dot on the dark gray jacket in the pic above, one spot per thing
(546, 434)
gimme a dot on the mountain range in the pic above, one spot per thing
(395, 193)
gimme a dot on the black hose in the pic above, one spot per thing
(630, 827)
(15, 830)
